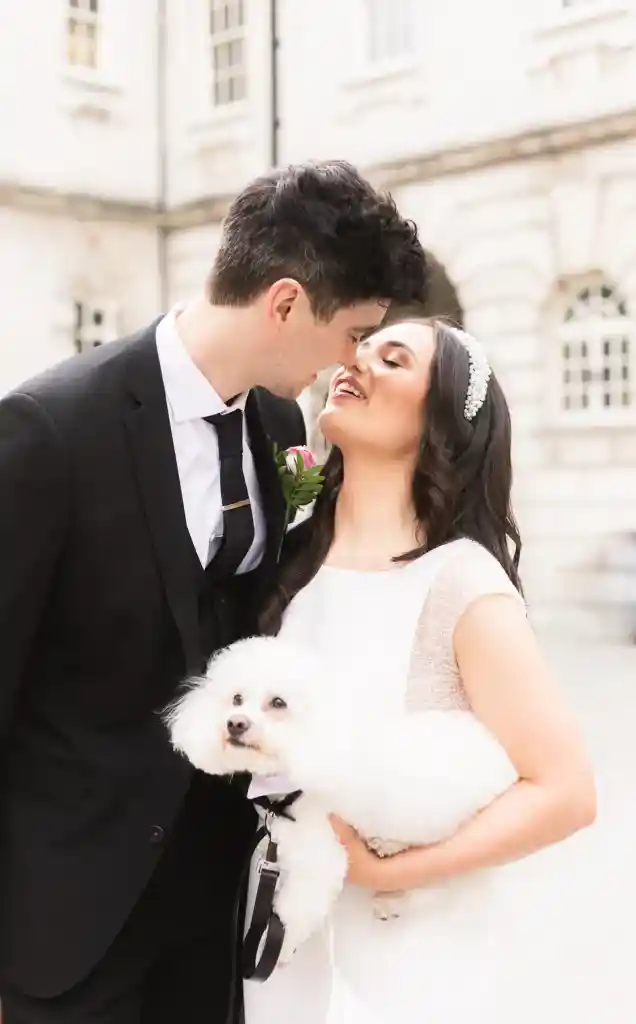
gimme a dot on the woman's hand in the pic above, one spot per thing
(365, 868)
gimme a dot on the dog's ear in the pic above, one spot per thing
(188, 717)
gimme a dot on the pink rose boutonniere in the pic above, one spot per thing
(300, 477)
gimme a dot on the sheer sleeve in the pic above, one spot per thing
(470, 572)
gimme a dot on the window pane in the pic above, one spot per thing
(228, 51)
(219, 17)
(90, 50)
(221, 56)
(236, 53)
(81, 45)
(595, 371)
(389, 28)
(238, 88)
(221, 92)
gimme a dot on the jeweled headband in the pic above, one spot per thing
(479, 372)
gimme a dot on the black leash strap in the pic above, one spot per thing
(266, 929)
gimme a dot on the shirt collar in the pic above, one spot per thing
(189, 394)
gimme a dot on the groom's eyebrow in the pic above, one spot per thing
(365, 334)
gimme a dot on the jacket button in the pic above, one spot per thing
(157, 834)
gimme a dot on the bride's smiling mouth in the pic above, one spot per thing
(348, 386)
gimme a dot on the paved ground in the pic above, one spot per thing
(601, 686)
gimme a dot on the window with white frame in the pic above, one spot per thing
(597, 355)
(93, 325)
(389, 30)
(228, 23)
(82, 33)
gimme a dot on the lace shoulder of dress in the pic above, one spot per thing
(467, 573)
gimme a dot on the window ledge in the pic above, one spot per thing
(604, 12)
(382, 71)
(580, 28)
(219, 118)
(88, 93)
(383, 85)
(93, 81)
(223, 128)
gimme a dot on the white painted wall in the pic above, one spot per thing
(48, 263)
(190, 257)
(214, 151)
(476, 71)
(94, 133)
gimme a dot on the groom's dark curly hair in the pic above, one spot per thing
(326, 227)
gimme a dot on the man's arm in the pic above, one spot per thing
(33, 503)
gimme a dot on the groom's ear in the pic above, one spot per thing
(281, 299)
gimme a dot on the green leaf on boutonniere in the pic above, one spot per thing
(300, 478)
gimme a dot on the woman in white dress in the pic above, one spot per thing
(405, 577)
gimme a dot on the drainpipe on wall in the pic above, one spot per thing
(274, 110)
(162, 156)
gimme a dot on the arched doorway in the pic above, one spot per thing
(442, 301)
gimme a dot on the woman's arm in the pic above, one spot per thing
(511, 690)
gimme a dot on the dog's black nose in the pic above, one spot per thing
(237, 726)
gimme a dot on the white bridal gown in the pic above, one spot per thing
(480, 949)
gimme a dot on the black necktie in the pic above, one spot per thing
(238, 524)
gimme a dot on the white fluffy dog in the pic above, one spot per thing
(400, 779)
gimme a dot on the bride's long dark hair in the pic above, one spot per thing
(461, 482)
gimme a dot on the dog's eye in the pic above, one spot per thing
(237, 700)
(278, 703)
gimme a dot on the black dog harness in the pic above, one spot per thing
(264, 938)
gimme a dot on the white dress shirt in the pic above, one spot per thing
(190, 397)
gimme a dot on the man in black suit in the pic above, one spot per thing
(140, 516)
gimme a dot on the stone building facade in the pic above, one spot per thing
(508, 132)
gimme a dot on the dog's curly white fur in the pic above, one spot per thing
(268, 708)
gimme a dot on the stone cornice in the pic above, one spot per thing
(207, 210)
(538, 143)
(78, 206)
(528, 145)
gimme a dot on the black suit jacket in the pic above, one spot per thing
(98, 626)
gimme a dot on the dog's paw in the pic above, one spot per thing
(385, 847)
(387, 905)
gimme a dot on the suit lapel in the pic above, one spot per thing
(271, 491)
(148, 428)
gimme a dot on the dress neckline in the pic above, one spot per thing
(392, 570)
